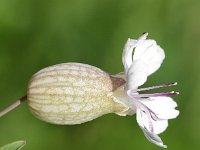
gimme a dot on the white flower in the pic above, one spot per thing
(152, 110)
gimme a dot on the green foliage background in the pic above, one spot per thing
(39, 33)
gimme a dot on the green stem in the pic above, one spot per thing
(13, 105)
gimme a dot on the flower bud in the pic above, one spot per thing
(73, 93)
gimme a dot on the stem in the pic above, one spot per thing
(13, 105)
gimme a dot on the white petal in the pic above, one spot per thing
(137, 75)
(160, 126)
(128, 53)
(142, 119)
(163, 107)
(147, 58)
(143, 122)
(154, 138)
(151, 125)
(150, 53)
(127, 56)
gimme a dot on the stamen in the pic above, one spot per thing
(136, 95)
(155, 87)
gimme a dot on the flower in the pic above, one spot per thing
(74, 93)
(152, 110)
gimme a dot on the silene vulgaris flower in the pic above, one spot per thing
(74, 93)
(152, 110)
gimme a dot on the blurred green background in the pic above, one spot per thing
(39, 33)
